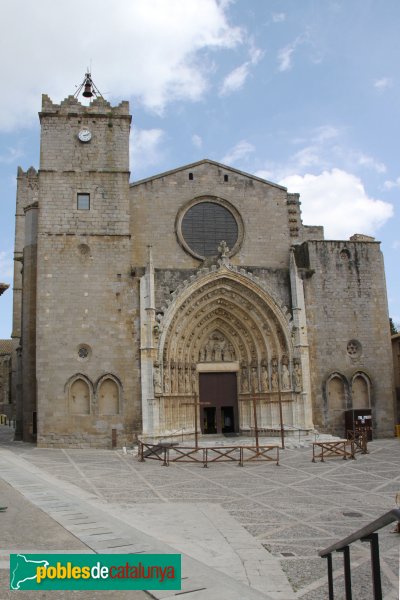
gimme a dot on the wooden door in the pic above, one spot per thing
(218, 392)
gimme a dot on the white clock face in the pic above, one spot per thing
(85, 135)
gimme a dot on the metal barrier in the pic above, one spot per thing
(221, 454)
(255, 453)
(208, 454)
(359, 439)
(366, 534)
(153, 452)
(327, 449)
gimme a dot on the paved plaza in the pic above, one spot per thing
(251, 532)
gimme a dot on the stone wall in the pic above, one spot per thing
(27, 414)
(396, 374)
(263, 207)
(6, 348)
(348, 326)
(104, 316)
(87, 320)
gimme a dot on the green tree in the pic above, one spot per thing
(394, 327)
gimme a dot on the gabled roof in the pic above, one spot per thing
(210, 162)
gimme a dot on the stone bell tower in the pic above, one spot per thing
(84, 317)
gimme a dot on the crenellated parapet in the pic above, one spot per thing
(71, 106)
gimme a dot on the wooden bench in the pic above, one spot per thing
(327, 449)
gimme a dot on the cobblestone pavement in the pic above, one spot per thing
(293, 510)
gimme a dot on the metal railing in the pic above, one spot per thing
(366, 534)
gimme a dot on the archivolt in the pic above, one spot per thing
(230, 304)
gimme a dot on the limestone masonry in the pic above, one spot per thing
(183, 300)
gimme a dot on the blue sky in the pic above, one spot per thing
(301, 92)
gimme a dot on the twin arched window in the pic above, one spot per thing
(103, 398)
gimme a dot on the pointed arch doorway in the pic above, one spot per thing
(218, 402)
(223, 322)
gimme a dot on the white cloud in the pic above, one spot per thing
(240, 151)
(278, 17)
(325, 132)
(285, 54)
(325, 147)
(285, 58)
(369, 162)
(383, 83)
(307, 157)
(255, 54)
(11, 156)
(235, 79)
(153, 50)
(267, 174)
(319, 135)
(197, 141)
(6, 266)
(389, 185)
(337, 200)
(144, 148)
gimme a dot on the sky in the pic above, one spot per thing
(303, 93)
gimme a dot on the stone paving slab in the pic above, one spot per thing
(27, 529)
(293, 510)
(111, 532)
(209, 534)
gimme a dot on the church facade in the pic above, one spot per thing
(194, 299)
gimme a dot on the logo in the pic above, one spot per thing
(95, 572)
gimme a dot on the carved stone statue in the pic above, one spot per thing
(181, 379)
(274, 375)
(187, 380)
(157, 380)
(264, 378)
(217, 351)
(174, 379)
(229, 353)
(223, 249)
(194, 379)
(285, 377)
(209, 351)
(254, 380)
(244, 381)
(296, 376)
(167, 382)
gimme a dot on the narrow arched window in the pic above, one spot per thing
(108, 397)
(79, 398)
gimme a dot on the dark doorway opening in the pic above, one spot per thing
(219, 411)
(210, 419)
(227, 419)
